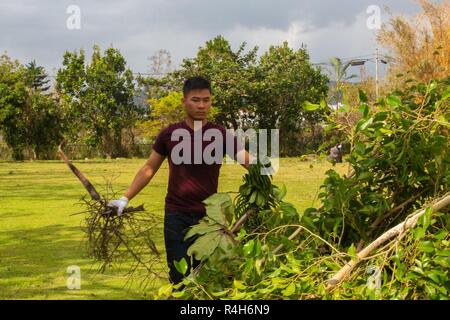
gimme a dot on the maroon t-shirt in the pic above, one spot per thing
(194, 180)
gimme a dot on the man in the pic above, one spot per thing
(189, 183)
(336, 153)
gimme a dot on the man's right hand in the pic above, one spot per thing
(120, 204)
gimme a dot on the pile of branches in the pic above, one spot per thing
(386, 220)
(114, 239)
(399, 160)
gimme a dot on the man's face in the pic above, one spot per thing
(197, 103)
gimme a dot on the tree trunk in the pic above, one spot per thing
(118, 150)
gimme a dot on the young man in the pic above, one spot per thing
(189, 183)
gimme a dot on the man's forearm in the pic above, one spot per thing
(142, 178)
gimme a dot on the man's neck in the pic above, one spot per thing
(190, 122)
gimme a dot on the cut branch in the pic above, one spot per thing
(237, 226)
(86, 183)
(391, 212)
(398, 230)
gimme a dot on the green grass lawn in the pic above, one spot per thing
(39, 238)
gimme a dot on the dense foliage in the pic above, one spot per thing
(98, 99)
(260, 93)
(29, 116)
(399, 163)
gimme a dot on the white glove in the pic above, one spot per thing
(120, 204)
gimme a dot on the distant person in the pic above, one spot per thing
(336, 153)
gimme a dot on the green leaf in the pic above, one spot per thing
(248, 247)
(364, 109)
(165, 290)
(257, 248)
(362, 96)
(307, 106)
(352, 251)
(225, 243)
(443, 253)
(426, 246)
(239, 284)
(393, 101)
(219, 207)
(248, 266)
(360, 148)
(364, 124)
(205, 245)
(220, 293)
(344, 108)
(446, 95)
(181, 266)
(201, 228)
(258, 265)
(436, 275)
(260, 201)
(242, 234)
(442, 119)
(280, 192)
(290, 290)
(433, 86)
(253, 197)
(178, 294)
(288, 209)
(425, 219)
(387, 132)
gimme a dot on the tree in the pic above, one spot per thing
(161, 62)
(42, 115)
(36, 78)
(28, 119)
(98, 98)
(267, 93)
(44, 128)
(157, 85)
(13, 96)
(231, 74)
(420, 46)
(285, 79)
(164, 111)
(340, 77)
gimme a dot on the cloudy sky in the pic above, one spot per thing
(38, 29)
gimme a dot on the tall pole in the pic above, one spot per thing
(376, 74)
(362, 70)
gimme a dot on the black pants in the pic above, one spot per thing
(176, 224)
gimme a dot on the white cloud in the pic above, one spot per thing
(336, 39)
(340, 39)
(36, 30)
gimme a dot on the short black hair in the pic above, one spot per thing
(196, 83)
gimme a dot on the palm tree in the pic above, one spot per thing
(37, 79)
(340, 77)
